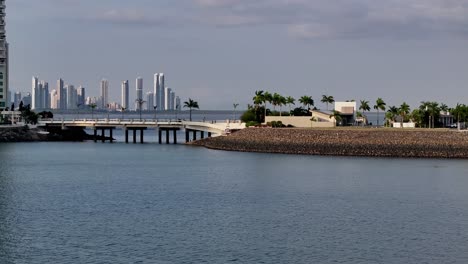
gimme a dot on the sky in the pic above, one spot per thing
(219, 52)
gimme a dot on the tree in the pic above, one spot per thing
(258, 99)
(404, 110)
(92, 106)
(307, 101)
(431, 112)
(235, 105)
(289, 101)
(364, 107)
(337, 116)
(392, 112)
(21, 106)
(379, 105)
(267, 98)
(191, 104)
(140, 103)
(328, 99)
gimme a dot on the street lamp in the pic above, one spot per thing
(155, 109)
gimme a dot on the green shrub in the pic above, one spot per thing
(252, 123)
(276, 124)
(248, 116)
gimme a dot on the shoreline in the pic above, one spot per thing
(14, 134)
(356, 142)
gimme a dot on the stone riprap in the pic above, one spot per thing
(381, 142)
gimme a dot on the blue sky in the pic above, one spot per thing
(220, 51)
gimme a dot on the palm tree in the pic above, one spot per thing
(267, 98)
(92, 106)
(379, 105)
(140, 103)
(404, 110)
(364, 107)
(191, 104)
(290, 100)
(392, 112)
(258, 99)
(276, 100)
(307, 101)
(282, 101)
(235, 105)
(337, 116)
(328, 99)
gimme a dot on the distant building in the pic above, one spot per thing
(27, 100)
(172, 101)
(104, 94)
(125, 95)
(161, 94)
(72, 97)
(139, 93)
(54, 99)
(61, 97)
(150, 101)
(81, 93)
(35, 104)
(17, 99)
(4, 60)
(178, 106)
(167, 99)
(45, 96)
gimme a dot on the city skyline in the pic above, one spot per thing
(398, 50)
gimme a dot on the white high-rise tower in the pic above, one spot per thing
(104, 93)
(35, 93)
(125, 95)
(3, 60)
(161, 95)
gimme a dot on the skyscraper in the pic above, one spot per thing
(150, 101)
(71, 97)
(45, 96)
(161, 96)
(17, 99)
(172, 101)
(104, 93)
(35, 93)
(54, 99)
(81, 94)
(61, 98)
(167, 98)
(125, 95)
(4, 76)
(139, 93)
(178, 106)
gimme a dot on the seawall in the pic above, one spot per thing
(381, 142)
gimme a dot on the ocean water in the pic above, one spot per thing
(148, 203)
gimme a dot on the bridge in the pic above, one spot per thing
(210, 127)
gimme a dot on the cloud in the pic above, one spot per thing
(308, 19)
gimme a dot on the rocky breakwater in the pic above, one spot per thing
(25, 134)
(417, 143)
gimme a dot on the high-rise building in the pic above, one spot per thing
(26, 100)
(4, 75)
(178, 106)
(104, 93)
(54, 99)
(45, 96)
(167, 99)
(139, 93)
(35, 104)
(61, 97)
(71, 97)
(161, 97)
(125, 95)
(172, 101)
(81, 94)
(150, 101)
(17, 99)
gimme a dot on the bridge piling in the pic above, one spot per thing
(134, 136)
(103, 135)
(194, 135)
(126, 135)
(111, 136)
(141, 136)
(175, 136)
(187, 135)
(202, 134)
(209, 134)
(160, 136)
(95, 135)
(167, 136)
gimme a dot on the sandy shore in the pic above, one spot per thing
(381, 142)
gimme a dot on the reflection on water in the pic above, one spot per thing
(150, 203)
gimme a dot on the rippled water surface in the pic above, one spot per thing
(118, 203)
